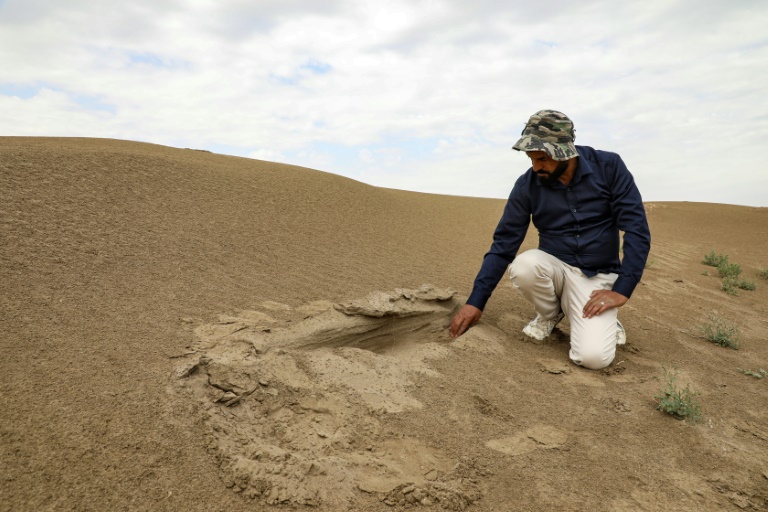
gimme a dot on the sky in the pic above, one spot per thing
(424, 95)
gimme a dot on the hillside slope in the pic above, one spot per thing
(122, 262)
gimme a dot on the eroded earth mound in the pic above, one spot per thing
(292, 398)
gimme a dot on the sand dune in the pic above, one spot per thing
(190, 331)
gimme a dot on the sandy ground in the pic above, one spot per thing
(188, 331)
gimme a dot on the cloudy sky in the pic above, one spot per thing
(419, 95)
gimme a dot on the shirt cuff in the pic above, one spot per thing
(478, 300)
(625, 286)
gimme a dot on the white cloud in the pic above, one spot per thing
(267, 154)
(426, 95)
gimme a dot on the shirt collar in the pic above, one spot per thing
(583, 169)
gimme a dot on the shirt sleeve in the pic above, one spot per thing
(629, 212)
(507, 238)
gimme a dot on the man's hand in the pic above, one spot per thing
(602, 300)
(466, 317)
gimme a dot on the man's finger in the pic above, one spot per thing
(594, 307)
(465, 323)
(464, 319)
(457, 326)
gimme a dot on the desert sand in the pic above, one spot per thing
(190, 331)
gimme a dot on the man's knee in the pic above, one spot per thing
(593, 359)
(525, 269)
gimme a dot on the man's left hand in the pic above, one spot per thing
(602, 300)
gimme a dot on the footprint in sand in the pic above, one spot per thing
(571, 373)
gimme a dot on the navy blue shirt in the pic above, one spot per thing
(578, 223)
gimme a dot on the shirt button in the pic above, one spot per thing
(574, 210)
(578, 236)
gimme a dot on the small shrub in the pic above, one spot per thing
(705, 273)
(746, 285)
(714, 260)
(759, 374)
(763, 273)
(721, 332)
(682, 403)
(730, 286)
(726, 269)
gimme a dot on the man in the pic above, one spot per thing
(579, 199)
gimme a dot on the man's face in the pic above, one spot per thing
(547, 169)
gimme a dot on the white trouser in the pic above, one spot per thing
(552, 286)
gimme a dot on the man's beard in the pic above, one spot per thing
(551, 178)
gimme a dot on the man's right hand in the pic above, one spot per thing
(466, 317)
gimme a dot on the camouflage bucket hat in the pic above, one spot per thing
(549, 131)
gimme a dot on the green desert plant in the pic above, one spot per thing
(759, 374)
(726, 269)
(714, 260)
(680, 402)
(721, 332)
(649, 263)
(731, 285)
(730, 273)
(745, 284)
(763, 273)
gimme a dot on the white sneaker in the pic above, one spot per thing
(538, 328)
(621, 334)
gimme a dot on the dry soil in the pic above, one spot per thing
(189, 331)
